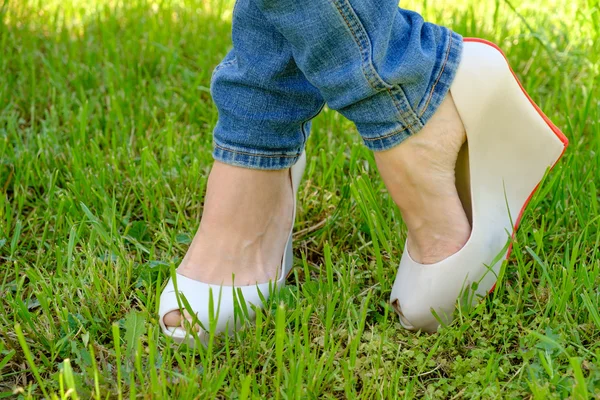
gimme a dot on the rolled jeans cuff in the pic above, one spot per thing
(248, 158)
(408, 119)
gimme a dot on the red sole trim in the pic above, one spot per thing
(561, 136)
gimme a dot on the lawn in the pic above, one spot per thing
(105, 147)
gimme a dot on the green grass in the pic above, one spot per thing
(105, 140)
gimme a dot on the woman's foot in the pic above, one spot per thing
(243, 232)
(420, 176)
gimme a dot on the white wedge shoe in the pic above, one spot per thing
(511, 145)
(225, 298)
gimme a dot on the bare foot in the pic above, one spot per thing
(243, 231)
(420, 176)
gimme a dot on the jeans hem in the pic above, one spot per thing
(412, 121)
(444, 76)
(247, 158)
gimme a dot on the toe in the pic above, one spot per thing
(173, 319)
(188, 320)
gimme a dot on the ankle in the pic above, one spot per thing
(229, 187)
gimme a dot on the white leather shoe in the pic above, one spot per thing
(511, 144)
(224, 301)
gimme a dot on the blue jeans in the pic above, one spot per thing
(382, 67)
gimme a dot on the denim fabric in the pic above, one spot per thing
(382, 67)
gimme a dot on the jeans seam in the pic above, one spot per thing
(254, 154)
(407, 114)
(364, 44)
(370, 73)
(449, 47)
